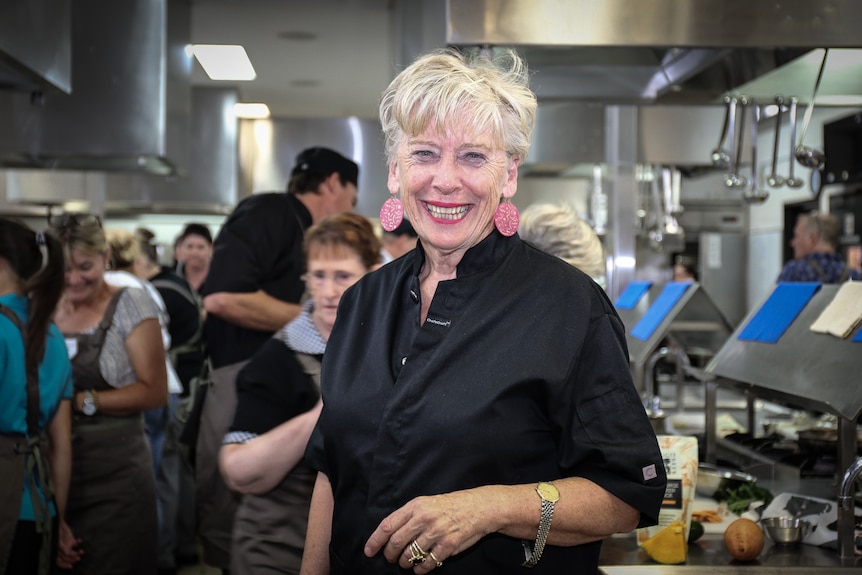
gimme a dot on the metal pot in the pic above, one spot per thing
(823, 441)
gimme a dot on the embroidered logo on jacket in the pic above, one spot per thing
(649, 472)
(435, 321)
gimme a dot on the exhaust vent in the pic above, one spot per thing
(129, 108)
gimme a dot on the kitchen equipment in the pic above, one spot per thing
(774, 180)
(752, 193)
(806, 155)
(823, 441)
(711, 478)
(785, 530)
(720, 156)
(737, 136)
(792, 181)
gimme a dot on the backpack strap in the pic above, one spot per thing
(195, 342)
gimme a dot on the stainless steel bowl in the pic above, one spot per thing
(711, 478)
(785, 530)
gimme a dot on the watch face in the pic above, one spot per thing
(88, 406)
(548, 492)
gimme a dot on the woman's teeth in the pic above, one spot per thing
(447, 213)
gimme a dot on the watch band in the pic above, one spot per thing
(550, 495)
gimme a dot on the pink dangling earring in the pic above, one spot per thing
(506, 218)
(391, 213)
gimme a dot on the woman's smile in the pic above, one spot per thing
(447, 213)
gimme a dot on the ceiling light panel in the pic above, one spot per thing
(251, 111)
(224, 62)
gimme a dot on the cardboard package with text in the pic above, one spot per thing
(680, 461)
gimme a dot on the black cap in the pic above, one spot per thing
(196, 229)
(326, 161)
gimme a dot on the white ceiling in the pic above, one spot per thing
(340, 71)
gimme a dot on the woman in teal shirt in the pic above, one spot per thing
(33, 422)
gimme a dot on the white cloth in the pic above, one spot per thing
(843, 313)
(125, 279)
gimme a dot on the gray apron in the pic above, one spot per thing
(216, 503)
(112, 497)
(21, 457)
(269, 530)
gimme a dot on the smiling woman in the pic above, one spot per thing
(470, 344)
(118, 366)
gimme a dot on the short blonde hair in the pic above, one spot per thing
(439, 85)
(559, 231)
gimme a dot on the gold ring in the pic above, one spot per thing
(434, 558)
(417, 555)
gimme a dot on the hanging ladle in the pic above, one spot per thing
(806, 155)
(753, 194)
(737, 137)
(720, 156)
(774, 180)
(792, 181)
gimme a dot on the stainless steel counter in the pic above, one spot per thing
(622, 556)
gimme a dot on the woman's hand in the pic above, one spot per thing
(69, 549)
(448, 524)
(441, 526)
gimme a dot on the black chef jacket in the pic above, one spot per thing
(519, 374)
(258, 247)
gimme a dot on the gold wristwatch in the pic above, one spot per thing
(550, 495)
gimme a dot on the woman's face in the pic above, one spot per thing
(85, 275)
(194, 251)
(451, 184)
(330, 273)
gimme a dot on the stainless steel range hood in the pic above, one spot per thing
(129, 108)
(662, 51)
(36, 45)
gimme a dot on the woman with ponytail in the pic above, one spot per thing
(35, 414)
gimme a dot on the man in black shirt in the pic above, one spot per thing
(253, 288)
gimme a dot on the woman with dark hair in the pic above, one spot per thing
(35, 415)
(118, 362)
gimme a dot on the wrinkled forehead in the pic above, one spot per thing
(462, 125)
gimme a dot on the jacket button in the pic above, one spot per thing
(404, 360)
(414, 296)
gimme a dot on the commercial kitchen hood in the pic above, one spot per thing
(661, 51)
(36, 45)
(130, 102)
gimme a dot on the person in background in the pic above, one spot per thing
(125, 257)
(114, 340)
(478, 388)
(854, 258)
(815, 239)
(186, 355)
(193, 252)
(278, 404)
(35, 415)
(684, 269)
(399, 241)
(252, 289)
(558, 230)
